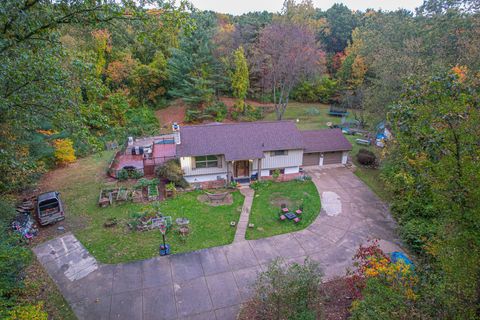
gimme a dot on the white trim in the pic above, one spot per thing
(344, 157)
(321, 160)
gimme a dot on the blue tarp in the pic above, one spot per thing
(396, 256)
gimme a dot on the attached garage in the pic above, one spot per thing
(311, 159)
(325, 147)
(332, 158)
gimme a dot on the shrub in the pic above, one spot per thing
(122, 175)
(217, 111)
(135, 174)
(366, 157)
(192, 115)
(320, 90)
(417, 232)
(64, 152)
(286, 292)
(14, 258)
(172, 171)
(28, 312)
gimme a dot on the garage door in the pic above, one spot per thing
(332, 157)
(311, 159)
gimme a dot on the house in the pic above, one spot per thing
(241, 151)
(219, 152)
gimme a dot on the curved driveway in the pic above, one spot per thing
(212, 283)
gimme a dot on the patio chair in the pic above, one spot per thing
(296, 220)
(283, 218)
(298, 212)
(285, 210)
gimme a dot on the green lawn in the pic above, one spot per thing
(266, 207)
(307, 119)
(310, 121)
(80, 185)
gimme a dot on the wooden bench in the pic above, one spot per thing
(216, 196)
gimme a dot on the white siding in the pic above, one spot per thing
(186, 164)
(292, 170)
(292, 159)
(266, 173)
(205, 177)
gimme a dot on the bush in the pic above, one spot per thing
(217, 111)
(27, 312)
(135, 174)
(122, 175)
(321, 90)
(14, 258)
(366, 157)
(172, 171)
(417, 232)
(192, 115)
(64, 152)
(286, 292)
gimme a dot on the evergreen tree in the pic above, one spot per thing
(240, 81)
(192, 66)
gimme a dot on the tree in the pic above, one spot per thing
(192, 67)
(337, 31)
(286, 53)
(240, 81)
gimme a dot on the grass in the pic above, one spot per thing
(310, 121)
(307, 120)
(266, 207)
(80, 185)
(39, 287)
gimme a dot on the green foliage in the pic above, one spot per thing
(240, 79)
(172, 171)
(192, 68)
(381, 302)
(321, 90)
(217, 111)
(122, 175)
(27, 312)
(287, 291)
(366, 157)
(14, 258)
(433, 176)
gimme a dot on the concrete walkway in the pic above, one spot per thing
(214, 282)
(243, 221)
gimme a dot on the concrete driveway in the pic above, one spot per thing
(212, 283)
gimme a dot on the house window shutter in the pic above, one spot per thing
(219, 163)
(193, 162)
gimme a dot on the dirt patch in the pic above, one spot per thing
(203, 198)
(277, 200)
(175, 112)
(337, 299)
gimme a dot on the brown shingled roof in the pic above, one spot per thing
(239, 141)
(325, 140)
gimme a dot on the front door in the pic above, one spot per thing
(241, 168)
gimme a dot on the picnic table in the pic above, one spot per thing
(290, 215)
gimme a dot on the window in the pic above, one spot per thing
(279, 153)
(280, 171)
(206, 162)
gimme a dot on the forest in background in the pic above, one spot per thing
(75, 75)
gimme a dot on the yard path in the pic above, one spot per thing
(213, 283)
(244, 216)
